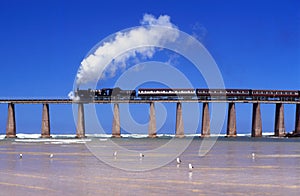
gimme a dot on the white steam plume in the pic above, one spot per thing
(140, 39)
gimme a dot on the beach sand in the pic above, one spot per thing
(228, 169)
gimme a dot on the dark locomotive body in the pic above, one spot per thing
(84, 94)
(105, 94)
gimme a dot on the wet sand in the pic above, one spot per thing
(228, 169)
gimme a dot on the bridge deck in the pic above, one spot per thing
(139, 101)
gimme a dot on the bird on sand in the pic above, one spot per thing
(51, 155)
(253, 155)
(141, 155)
(21, 156)
(190, 167)
(115, 153)
(178, 160)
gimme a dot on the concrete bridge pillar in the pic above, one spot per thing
(152, 123)
(205, 130)
(80, 129)
(297, 119)
(45, 122)
(256, 121)
(179, 121)
(279, 120)
(231, 121)
(116, 130)
(11, 122)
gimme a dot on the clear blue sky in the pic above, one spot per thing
(256, 44)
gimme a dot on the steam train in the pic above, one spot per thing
(105, 94)
(182, 93)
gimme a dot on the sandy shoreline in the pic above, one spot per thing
(227, 168)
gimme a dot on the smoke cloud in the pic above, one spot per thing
(125, 45)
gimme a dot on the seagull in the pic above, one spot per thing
(115, 153)
(253, 155)
(190, 167)
(51, 155)
(21, 156)
(141, 155)
(178, 160)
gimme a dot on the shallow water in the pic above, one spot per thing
(228, 168)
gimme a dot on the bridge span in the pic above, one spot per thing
(139, 101)
(279, 128)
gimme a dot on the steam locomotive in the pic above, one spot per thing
(105, 94)
(181, 93)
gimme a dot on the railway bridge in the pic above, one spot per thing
(279, 128)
